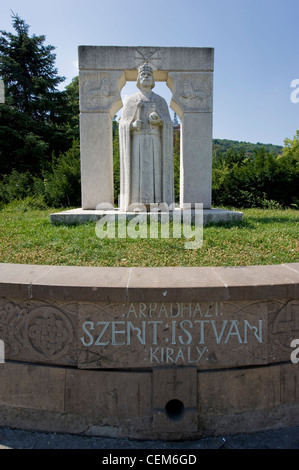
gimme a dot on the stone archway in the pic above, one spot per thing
(188, 72)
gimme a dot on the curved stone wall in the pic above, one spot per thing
(149, 353)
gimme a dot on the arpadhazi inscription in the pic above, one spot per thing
(155, 334)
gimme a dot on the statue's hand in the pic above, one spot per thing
(155, 119)
(137, 124)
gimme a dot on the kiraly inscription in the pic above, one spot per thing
(174, 334)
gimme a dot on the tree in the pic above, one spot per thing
(27, 68)
(291, 148)
(32, 124)
(71, 110)
(62, 185)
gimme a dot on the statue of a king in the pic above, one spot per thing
(146, 147)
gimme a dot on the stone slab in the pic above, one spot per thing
(120, 403)
(80, 283)
(258, 281)
(207, 317)
(174, 398)
(144, 335)
(108, 397)
(31, 386)
(248, 399)
(162, 59)
(82, 216)
(204, 335)
(174, 284)
(236, 391)
(292, 266)
(295, 268)
(16, 279)
(174, 384)
(38, 331)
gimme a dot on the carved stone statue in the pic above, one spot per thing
(146, 146)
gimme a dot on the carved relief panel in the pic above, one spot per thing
(100, 91)
(192, 91)
(150, 55)
(36, 331)
(284, 327)
(206, 335)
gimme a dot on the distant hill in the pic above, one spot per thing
(222, 145)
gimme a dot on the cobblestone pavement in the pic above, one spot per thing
(277, 439)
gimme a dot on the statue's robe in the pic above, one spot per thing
(146, 154)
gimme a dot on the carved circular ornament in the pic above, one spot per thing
(285, 325)
(48, 332)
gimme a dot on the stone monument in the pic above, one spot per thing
(146, 147)
(103, 72)
(149, 353)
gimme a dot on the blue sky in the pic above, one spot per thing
(255, 42)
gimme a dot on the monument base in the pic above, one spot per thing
(149, 353)
(82, 216)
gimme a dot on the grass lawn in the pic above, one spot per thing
(263, 237)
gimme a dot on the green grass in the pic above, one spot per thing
(263, 237)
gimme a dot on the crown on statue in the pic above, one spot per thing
(145, 67)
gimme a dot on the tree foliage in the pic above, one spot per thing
(30, 77)
(33, 119)
(61, 186)
(290, 150)
(262, 179)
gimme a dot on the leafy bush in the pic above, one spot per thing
(58, 186)
(26, 204)
(260, 180)
(15, 185)
(61, 186)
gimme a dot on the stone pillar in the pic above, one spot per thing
(192, 100)
(99, 96)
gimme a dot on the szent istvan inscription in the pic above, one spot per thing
(176, 333)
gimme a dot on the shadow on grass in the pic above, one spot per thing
(276, 220)
(250, 222)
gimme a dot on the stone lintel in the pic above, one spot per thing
(160, 58)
